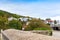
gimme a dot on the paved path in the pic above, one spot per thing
(56, 34)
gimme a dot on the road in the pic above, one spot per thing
(56, 34)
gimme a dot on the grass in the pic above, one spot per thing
(42, 28)
(49, 30)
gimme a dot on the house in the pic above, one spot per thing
(52, 24)
(11, 18)
(48, 21)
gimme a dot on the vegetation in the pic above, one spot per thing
(35, 24)
(15, 24)
(4, 23)
(55, 22)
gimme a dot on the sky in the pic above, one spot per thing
(34, 8)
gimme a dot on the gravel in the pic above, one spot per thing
(27, 35)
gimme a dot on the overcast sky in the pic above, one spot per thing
(34, 8)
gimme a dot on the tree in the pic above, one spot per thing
(48, 19)
(15, 24)
(3, 22)
(36, 24)
(16, 16)
(55, 22)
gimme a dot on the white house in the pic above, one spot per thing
(11, 18)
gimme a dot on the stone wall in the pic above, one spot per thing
(4, 36)
(13, 34)
(44, 32)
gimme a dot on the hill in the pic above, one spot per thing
(18, 24)
(4, 15)
(8, 14)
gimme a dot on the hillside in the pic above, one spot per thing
(8, 14)
(18, 24)
(4, 15)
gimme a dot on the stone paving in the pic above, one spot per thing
(27, 35)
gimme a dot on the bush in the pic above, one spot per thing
(15, 24)
(36, 24)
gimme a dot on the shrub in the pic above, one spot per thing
(15, 24)
(36, 24)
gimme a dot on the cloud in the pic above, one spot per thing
(42, 10)
(55, 18)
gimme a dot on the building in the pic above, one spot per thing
(52, 24)
(11, 18)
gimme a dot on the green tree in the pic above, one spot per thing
(16, 16)
(48, 19)
(55, 22)
(15, 24)
(3, 23)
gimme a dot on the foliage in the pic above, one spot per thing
(16, 16)
(15, 24)
(4, 23)
(48, 19)
(55, 22)
(42, 28)
(37, 24)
